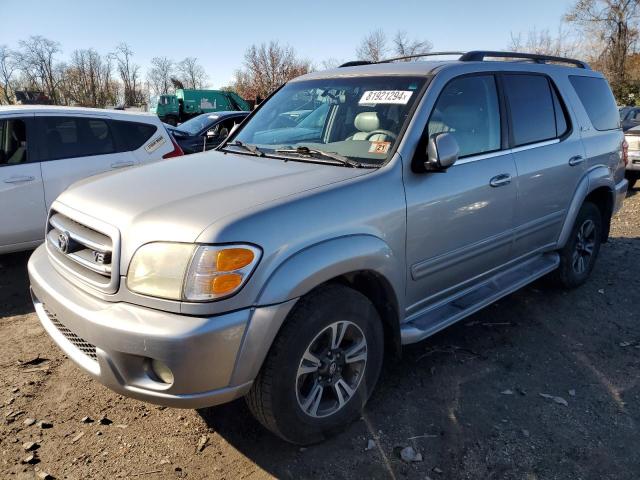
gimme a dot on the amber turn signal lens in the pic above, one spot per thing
(225, 283)
(233, 259)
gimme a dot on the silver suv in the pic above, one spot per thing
(284, 265)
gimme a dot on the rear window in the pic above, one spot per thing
(598, 101)
(71, 137)
(132, 135)
(536, 112)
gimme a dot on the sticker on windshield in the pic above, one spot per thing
(386, 96)
(379, 147)
(155, 144)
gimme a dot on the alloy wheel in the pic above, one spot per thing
(585, 245)
(331, 369)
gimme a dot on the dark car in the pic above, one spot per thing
(205, 131)
(630, 117)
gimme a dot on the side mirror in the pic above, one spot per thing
(442, 152)
(211, 133)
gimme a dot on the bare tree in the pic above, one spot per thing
(37, 62)
(403, 45)
(266, 67)
(542, 42)
(330, 63)
(159, 75)
(7, 74)
(373, 47)
(129, 74)
(88, 80)
(615, 24)
(191, 73)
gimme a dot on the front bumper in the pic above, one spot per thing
(213, 359)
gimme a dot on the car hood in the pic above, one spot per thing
(176, 199)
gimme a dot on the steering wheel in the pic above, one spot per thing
(383, 132)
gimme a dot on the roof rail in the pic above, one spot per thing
(479, 56)
(356, 63)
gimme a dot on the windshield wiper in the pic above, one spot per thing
(309, 152)
(248, 147)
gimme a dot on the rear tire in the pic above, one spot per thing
(172, 121)
(579, 255)
(322, 366)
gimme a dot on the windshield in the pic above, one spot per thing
(358, 118)
(197, 124)
(153, 101)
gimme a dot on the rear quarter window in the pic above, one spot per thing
(132, 135)
(598, 101)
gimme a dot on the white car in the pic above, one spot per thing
(45, 149)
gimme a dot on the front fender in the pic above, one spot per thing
(318, 263)
(593, 179)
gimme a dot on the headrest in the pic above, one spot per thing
(367, 121)
(461, 118)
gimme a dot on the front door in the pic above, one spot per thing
(22, 209)
(459, 222)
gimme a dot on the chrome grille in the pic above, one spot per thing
(84, 251)
(85, 347)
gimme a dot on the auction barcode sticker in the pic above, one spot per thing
(155, 144)
(386, 96)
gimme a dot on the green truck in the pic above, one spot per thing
(186, 103)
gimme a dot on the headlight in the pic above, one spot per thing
(180, 271)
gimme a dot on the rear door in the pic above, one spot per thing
(549, 157)
(73, 147)
(143, 142)
(22, 208)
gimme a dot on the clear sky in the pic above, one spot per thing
(218, 33)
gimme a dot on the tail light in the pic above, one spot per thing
(176, 152)
(625, 152)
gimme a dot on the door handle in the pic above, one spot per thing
(577, 160)
(500, 180)
(121, 164)
(21, 179)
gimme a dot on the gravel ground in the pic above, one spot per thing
(544, 384)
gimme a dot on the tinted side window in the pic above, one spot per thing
(70, 137)
(132, 135)
(533, 117)
(598, 101)
(468, 109)
(13, 142)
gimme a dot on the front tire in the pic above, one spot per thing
(322, 366)
(578, 256)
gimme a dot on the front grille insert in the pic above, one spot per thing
(81, 344)
(84, 251)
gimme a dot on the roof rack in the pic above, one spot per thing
(478, 56)
(356, 63)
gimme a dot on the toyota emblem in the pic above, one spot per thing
(63, 242)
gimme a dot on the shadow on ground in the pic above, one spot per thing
(14, 285)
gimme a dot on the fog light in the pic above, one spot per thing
(161, 371)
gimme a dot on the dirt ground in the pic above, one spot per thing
(469, 400)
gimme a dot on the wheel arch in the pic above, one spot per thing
(363, 262)
(596, 187)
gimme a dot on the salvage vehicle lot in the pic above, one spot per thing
(544, 384)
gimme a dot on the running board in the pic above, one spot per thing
(444, 313)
